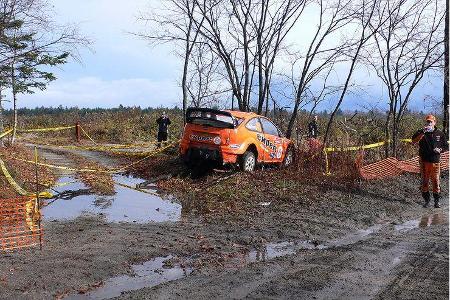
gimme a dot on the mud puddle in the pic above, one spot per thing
(274, 250)
(146, 275)
(426, 221)
(153, 273)
(127, 205)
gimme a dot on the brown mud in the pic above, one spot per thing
(284, 239)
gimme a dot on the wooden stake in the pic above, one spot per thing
(78, 132)
(37, 205)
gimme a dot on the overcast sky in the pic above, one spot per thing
(126, 70)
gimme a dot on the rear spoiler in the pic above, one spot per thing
(189, 118)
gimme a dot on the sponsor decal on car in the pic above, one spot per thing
(201, 138)
(267, 143)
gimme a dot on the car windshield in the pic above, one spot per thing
(211, 118)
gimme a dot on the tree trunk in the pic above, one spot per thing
(446, 72)
(395, 125)
(15, 116)
(1, 118)
(387, 135)
(267, 107)
(232, 101)
(341, 98)
(183, 81)
(14, 93)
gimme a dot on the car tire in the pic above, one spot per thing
(248, 161)
(288, 157)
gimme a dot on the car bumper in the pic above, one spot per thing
(193, 154)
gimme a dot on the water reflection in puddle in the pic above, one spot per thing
(273, 250)
(127, 205)
(146, 275)
(425, 221)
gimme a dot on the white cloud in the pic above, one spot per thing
(95, 92)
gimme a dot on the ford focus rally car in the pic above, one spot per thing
(233, 137)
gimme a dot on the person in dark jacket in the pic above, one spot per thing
(313, 130)
(431, 144)
(163, 128)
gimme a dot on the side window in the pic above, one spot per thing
(254, 125)
(269, 128)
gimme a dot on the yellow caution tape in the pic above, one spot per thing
(157, 151)
(107, 148)
(5, 133)
(46, 129)
(17, 187)
(88, 136)
(375, 145)
(116, 170)
(62, 167)
(58, 184)
(119, 146)
(355, 148)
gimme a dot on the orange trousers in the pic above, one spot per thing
(430, 171)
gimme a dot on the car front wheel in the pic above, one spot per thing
(248, 161)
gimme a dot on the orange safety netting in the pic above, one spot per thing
(390, 167)
(19, 223)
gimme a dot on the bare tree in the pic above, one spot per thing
(175, 23)
(205, 80)
(319, 90)
(363, 15)
(247, 36)
(408, 46)
(446, 72)
(320, 55)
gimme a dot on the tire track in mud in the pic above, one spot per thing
(365, 270)
(421, 275)
(390, 264)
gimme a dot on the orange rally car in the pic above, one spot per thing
(233, 137)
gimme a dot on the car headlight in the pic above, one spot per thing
(217, 140)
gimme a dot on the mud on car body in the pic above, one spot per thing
(233, 137)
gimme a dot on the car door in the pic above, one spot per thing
(254, 128)
(273, 143)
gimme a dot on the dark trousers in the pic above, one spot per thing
(162, 136)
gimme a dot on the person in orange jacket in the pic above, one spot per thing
(431, 143)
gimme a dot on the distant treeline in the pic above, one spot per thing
(85, 111)
(176, 110)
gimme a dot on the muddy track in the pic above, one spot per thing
(389, 265)
(82, 254)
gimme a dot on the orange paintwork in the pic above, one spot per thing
(231, 143)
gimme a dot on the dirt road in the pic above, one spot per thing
(391, 264)
(369, 243)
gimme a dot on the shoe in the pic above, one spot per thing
(436, 197)
(426, 197)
